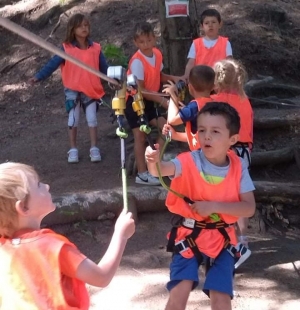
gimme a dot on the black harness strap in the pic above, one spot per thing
(190, 240)
(244, 147)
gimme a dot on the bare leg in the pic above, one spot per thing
(139, 149)
(179, 295)
(243, 223)
(73, 137)
(93, 136)
(219, 301)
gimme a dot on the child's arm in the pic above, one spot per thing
(175, 135)
(101, 274)
(190, 64)
(164, 78)
(164, 102)
(167, 168)
(52, 65)
(102, 63)
(243, 208)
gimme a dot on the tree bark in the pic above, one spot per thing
(177, 34)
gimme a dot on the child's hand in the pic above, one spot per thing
(168, 129)
(203, 208)
(32, 80)
(125, 225)
(172, 90)
(152, 156)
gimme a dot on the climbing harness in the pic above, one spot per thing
(190, 240)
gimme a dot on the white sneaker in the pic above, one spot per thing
(73, 156)
(95, 154)
(243, 253)
(147, 179)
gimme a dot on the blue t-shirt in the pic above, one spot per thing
(189, 114)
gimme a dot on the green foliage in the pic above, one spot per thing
(115, 55)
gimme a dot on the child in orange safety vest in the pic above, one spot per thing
(213, 181)
(229, 85)
(146, 65)
(210, 48)
(201, 83)
(81, 87)
(39, 268)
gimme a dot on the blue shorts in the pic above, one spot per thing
(218, 278)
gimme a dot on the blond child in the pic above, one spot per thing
(229, 85)
(39, 268)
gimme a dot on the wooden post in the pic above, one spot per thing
(177, 34)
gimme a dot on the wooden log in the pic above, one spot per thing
(254, 84)
(264, 121)
(272, 157)
(286, 193)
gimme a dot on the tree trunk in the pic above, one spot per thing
(177, 34)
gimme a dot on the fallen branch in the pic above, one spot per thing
(9, 66)
(56, 26)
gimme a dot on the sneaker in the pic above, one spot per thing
(242, 254)
(73, 156)
(95, 154)
(146, 178)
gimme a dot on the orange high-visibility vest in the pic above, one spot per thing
(209, 56)
(244, 108)
(30, 277)
(151, 74)
(193, 138)
(78, 79)
(191, 184)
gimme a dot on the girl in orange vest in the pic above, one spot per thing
(40, 269)
(229, 85)
(80, 85)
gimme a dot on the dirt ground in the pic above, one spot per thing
(33, 130)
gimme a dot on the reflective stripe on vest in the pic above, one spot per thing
(78, 79)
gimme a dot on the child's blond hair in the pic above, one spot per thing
(14, 186)
(230, 76)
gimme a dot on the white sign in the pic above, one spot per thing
(177, 8)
